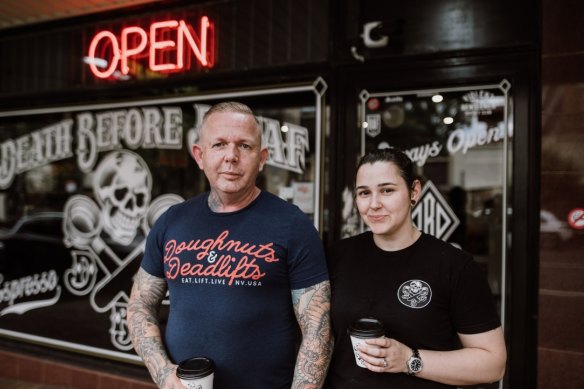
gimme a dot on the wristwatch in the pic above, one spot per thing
(414, 363)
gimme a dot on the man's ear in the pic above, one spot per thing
(198, 154)
(263, 157)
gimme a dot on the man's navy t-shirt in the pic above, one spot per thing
(230, 277)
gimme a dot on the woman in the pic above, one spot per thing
(441, 327)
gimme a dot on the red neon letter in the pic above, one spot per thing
(134, 41)
(199, 47)
(159, 45)
(115, 54)
(126, 51)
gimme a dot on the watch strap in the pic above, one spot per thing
(415, 355)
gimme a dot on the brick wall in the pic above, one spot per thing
(27, 368)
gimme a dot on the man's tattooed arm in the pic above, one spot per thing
(147, 294)
(312, 308)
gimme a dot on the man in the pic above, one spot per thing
(243, 269)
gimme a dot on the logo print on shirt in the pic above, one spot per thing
(415, 294)
(218, 260)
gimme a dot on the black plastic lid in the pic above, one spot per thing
(367, 328)
(196, 367)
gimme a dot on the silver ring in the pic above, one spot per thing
(384, 362)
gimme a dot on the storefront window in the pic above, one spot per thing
(82, 186)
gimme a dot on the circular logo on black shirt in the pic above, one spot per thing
(415, 294)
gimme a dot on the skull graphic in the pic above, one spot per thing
(122, 184)
(415, 293)
(415, 287)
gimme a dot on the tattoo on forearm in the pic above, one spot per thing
(312, 307)
(147, 294)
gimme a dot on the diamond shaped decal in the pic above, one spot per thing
(433, 215)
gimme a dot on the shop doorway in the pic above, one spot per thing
(461, 142)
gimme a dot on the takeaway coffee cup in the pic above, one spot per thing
(196, 373)
(361, 330)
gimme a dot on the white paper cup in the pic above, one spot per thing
(196, 373)
(362, 330)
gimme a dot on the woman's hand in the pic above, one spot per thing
(481, 359)
(384, 355)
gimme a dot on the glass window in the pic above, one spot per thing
(460, 140)
(82, 186)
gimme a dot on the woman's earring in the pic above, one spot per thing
(413, 202)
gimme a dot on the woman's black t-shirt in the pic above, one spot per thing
(424, 295)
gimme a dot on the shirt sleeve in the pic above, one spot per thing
(306, 258)
(473, 304)
(153, 259)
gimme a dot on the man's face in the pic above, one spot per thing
(230, 153)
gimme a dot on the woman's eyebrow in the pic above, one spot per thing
(378, 185)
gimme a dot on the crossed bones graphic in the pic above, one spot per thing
(122, 187)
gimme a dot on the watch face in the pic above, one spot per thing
(415, 365)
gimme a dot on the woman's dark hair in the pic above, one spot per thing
(399, 158)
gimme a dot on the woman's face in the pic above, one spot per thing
(384, 199)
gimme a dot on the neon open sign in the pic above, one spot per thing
(170, 46)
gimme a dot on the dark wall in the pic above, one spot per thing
(561, 277)
(421, 27)
(254, 39)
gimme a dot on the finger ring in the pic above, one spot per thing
(384, 363)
